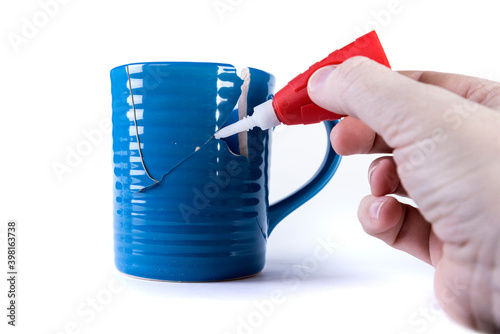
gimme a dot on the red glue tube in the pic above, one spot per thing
(292, 105)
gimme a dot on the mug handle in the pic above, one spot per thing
(279, 210)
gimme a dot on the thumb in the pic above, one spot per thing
(398, 108)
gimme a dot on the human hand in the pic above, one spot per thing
(443, 133)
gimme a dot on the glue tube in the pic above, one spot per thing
(292, 105)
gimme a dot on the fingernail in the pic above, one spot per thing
(370, 172)
(376, 206)
(317, 80)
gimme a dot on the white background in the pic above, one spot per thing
(55, 86)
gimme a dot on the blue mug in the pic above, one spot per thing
(188, 207)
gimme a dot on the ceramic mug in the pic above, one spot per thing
(188, 207)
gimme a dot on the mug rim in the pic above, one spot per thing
(188, 63)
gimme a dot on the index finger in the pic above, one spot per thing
(478, 90)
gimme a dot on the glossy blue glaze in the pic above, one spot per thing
(188, 214)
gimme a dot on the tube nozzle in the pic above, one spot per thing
(263, 116)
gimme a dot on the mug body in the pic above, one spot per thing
(186, 206)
